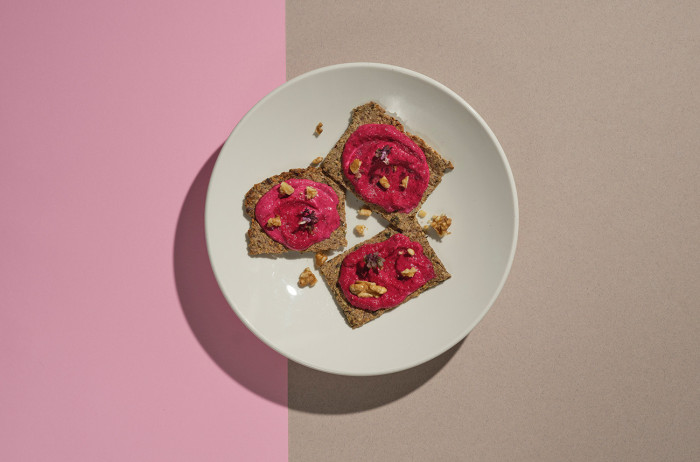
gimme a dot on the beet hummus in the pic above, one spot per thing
(307, 215)
(385, 167)
(383, 274)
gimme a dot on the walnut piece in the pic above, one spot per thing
(365, 211)
(319, 128)
(286, 188)
(409, 272)
(411, 252)
(441, 224)
(422, 213)
(404, 182)
(310, 192)
(355, 166)
(307, 278)
(320, 258)
(360, 230)
(450, 165)
(317, 161)
(274, 222)
(366, 289)
(384, 183)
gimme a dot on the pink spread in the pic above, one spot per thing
(382, 263)
(386, 152)
(304, 222)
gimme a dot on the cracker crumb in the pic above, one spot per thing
(274, 222)
(317, 160)
(286, 188)
(411, 252)
(355, 166)
(320, 258)
(404, 182)
(384, 183)
(307, 278)
(409, 272)
(422, 213)
(360, 230)
(310, 192)
(441, 224)
(319, 128)
(365, 211)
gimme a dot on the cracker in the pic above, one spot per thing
(356, 317)
(260, 243)
(373, 113)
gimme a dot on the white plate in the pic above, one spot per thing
(305, 324)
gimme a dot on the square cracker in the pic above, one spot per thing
(357, 317)
(260, 243)
(373, 113)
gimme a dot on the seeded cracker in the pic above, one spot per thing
(373, 113)
(260, 243)
(356, 317)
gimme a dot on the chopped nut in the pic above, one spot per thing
(404, 182)
(274, 222)
(384, 182)
(365, 211)
(440, 224)
(355, 165)
(317, 161)
(426, 228)
(307, 278)
(286, 188)
(409, 272)
(319, 128)
(360, 230)
(320, 258)
(366, 289)
(393, 168)
(411, 251)
(310, 192)
(422, 213)
(450, 165)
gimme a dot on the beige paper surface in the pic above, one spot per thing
(592, 351)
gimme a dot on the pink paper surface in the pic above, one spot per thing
(115, 342)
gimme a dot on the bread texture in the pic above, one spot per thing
(260, 243)
(373, 113)
(356, 317)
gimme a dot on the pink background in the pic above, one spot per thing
(115, 343)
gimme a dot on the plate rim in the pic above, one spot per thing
(514, 197)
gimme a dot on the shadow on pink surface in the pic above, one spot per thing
(236, 350)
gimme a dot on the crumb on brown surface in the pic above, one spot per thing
(441, 224)
(365, 211)
(307, 278)
(422, 213)
(317, 160)
(360, 230)
(319, 128)
(320, 258)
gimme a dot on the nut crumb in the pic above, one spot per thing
(411, 252)
(384, 183)
(274, 222)
(320, 258)
(355, 166)
(360, 230)
(450, 165)
(319, 128)
(404, 182)
(422, 213)
(365, 211)
(426, 228)
(317, 160)
(409, 272)
(366, 289)
(286, 188)
(307, 278)
(441, 224)
(310, 192)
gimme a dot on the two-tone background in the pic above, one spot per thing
(116, 344)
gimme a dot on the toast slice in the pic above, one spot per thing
(356, 317)
(260, 243)
(373, 113)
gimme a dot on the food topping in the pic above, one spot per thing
(286, 189)
(311, 192)
(441, 224)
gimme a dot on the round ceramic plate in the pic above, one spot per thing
(479, 195)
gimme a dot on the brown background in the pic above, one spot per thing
(592, 351)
